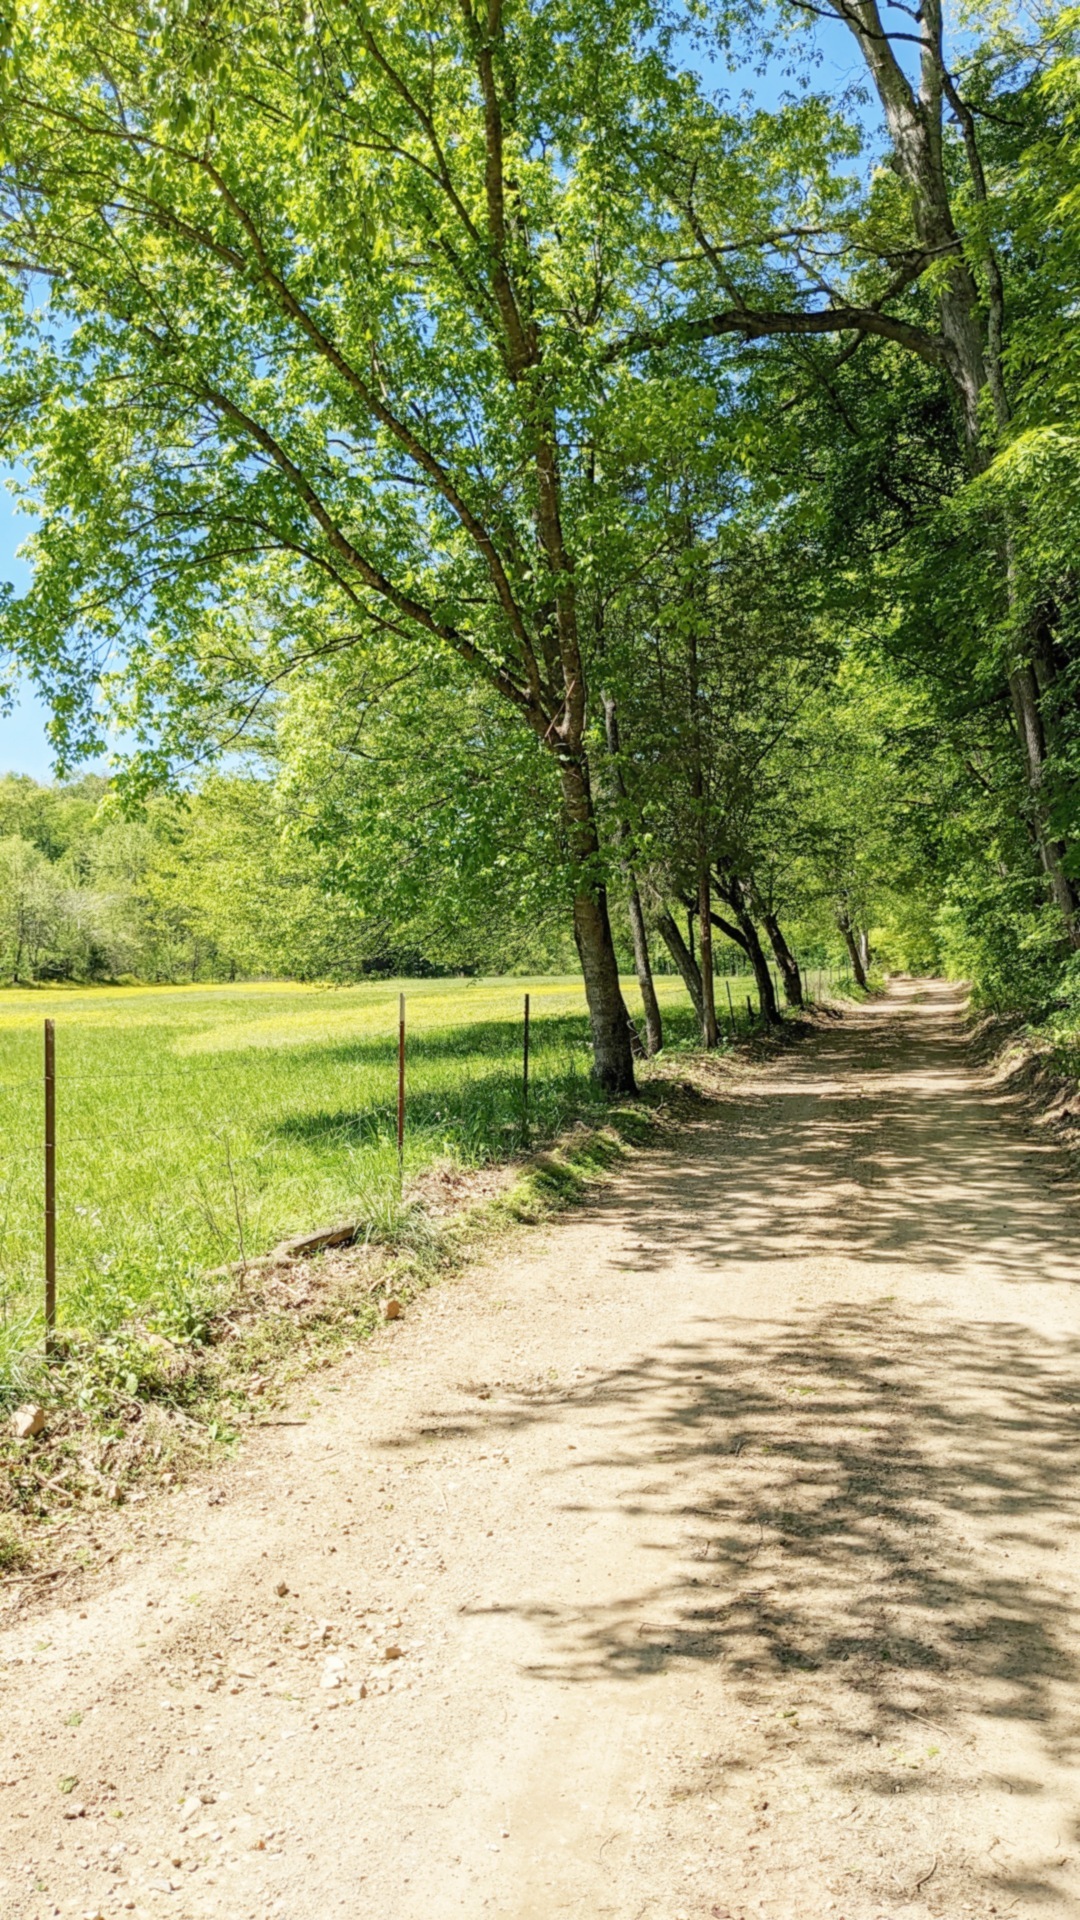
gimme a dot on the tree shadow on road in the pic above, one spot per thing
(848, 1520)
(855, 1514)
(889, 1148)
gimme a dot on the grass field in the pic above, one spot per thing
(198, 1126)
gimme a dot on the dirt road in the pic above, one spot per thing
(727, 1531)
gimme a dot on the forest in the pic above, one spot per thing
(596, 476)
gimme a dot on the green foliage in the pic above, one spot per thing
(431, 815)
(390, 857)
(394, 393)
(998, 933)
(348, 328)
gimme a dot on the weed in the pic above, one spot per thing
(14, 1552)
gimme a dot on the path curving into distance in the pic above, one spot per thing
(728, 1528)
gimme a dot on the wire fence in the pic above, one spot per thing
(162, 1164)
(127, 1173)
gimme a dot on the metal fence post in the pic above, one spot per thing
(525, 1072)
(401, 1092)
(50, 1182)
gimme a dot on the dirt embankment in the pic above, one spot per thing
(1030, 1069)
(714, 1552)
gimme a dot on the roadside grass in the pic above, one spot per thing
(197, 1127)
(134, 1409)
(15, 1554)
(203, 1125)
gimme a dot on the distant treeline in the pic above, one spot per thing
(206, 888)
(212, 887)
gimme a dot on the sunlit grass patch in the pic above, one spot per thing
(199, 1126)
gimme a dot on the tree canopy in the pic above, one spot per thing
(594, 495)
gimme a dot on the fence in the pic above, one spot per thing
(138, 1160)
(168, 1165)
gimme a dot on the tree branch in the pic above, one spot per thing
(406, 438)
(413, 609)
(763, 323)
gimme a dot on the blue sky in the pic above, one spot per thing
(24, 747)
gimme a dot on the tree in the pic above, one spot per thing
(29, 906)
(526, 454)
(930, 256)
(419, 805)
(327, 301)
(717, 650)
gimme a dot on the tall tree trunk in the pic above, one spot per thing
(734, 893)
(770, 1012)
(654, 1026)
(972, 333)
(1027, 711)
(669, 932)
(785, 960)
(843, 921)
(710, 1033)
(613, 1058)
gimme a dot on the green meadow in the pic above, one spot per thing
(200, 1125)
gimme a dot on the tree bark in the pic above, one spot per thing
(733, 892)
(1024, 689)
(785, 960)
(613, 1058)
(843, 921)
(915, 123)
(709, 1030)
(770, 1012)
(564, 734)
(710, 1033)
(654, 1026)
(669, 932)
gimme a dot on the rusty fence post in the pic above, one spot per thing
(525, 1073)
(50, 1182)
(401, 1093)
